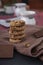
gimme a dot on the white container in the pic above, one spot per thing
(8, 9)
(19, 7)
(28, 13)
(1, 9)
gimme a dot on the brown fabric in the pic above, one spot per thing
(30, 46)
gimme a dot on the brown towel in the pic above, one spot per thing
(31, 46)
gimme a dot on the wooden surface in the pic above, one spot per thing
(36, 4)
(6, 51)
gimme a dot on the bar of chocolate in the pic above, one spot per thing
(38, 34)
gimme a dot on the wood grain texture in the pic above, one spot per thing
(36, 4)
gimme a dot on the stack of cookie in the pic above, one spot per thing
(17, 31)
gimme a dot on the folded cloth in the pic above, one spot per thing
(31, 45)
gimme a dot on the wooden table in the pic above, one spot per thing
(6, 51)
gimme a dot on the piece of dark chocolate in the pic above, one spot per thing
(38, 34)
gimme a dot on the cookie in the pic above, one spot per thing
(19, 37)
(12, 23)
(14, 41)
(11, 36)
(19, 28)
(17, 23)
(19, 33)
(16, 31)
